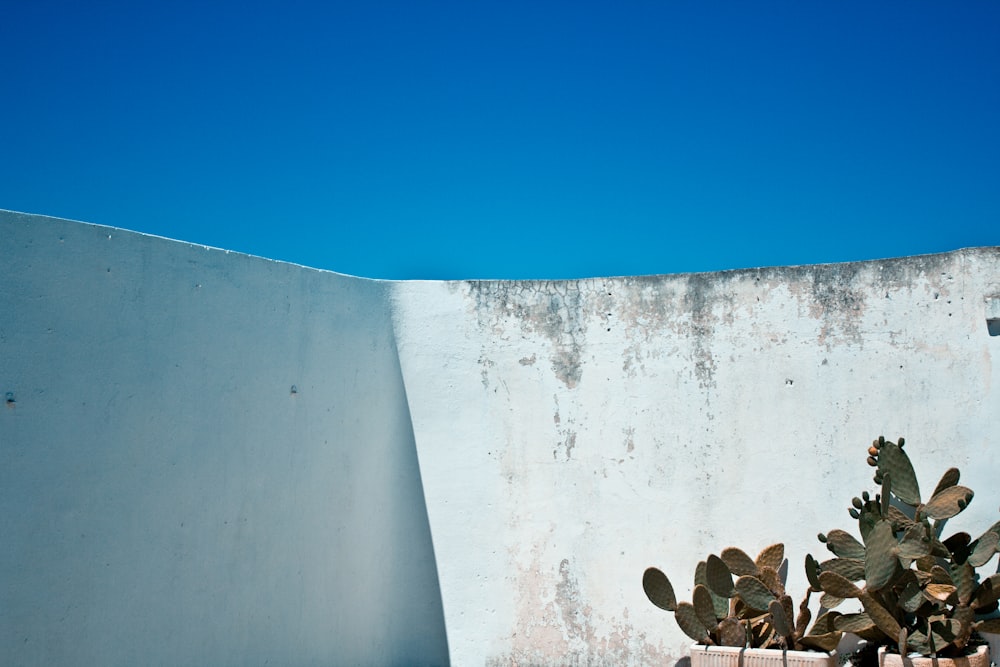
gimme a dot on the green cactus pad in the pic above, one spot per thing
(688, 620)
(770, 578)
(914, 543)
(732, 632)
(738, 562)
(772, 556)
(898, 519)
(939, 575)
(943, 634)
(911, 597)
(825, 642)
(753, 592)
(704, 606)
(881, 563)
(949, 478)
(826, 622)
(884, 499)
(959, 545)
(983, 549)
(885, 621)
(718, 578)
(988, 592)
(963, 576)
(781, 623)
(856, 623)
(947, 502)
(701, 577)
(812, 572)
(844, 545)
(802, 620)
(893, 461)
(658, 589)
(837, 585)
(827, 601)
(851, 569)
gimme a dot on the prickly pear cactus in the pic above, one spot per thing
(916, 592)
(741, 601)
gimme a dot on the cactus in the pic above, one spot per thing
(751, 610)
(919, 593)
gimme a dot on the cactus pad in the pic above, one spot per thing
(738, 562)
(718, 578)
(772, 556)
(881, 563)
(892, 460)
(947, 502)
(843, 544)
(689, 621)
(704, 606)
(658, 589)
(838, 586)
(753, 592)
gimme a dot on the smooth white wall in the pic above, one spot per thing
(573, 433)
(165, 497)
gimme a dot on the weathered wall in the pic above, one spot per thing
(573, 433)
(167, 498)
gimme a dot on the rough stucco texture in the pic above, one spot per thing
(168, 497)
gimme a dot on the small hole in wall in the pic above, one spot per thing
(993, 326)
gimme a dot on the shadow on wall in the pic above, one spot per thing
(205, 458)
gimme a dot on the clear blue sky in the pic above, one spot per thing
(511, 139)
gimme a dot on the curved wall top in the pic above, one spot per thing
(168, 496)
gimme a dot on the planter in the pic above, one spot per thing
(729, 656)
(993, 639)
(981, 658)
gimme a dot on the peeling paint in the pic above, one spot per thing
(558, 626)
(639, 415)
(551, 309)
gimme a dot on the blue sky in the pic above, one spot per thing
(511, 139)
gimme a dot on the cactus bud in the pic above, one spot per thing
(901, 442)
(873, 451)
(872, 462)
(854, 513)
(822, 538)
(857, 503)
(881, 440)
(865, 496)
(878, 478)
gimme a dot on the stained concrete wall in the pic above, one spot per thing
(167, 498)
(573, 433)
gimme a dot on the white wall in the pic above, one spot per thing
(167, 499)
(573, 433)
